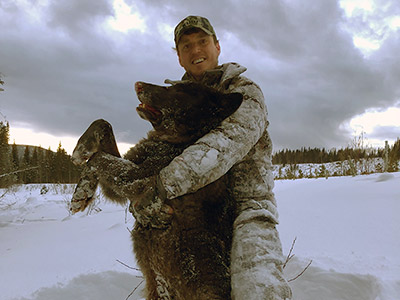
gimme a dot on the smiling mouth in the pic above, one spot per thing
(198, 61)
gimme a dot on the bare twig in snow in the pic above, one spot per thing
(132, 268)
(134, 290)
(124, 264)
(2, 195)
(15, 172)
(301, 273)
(290, 255)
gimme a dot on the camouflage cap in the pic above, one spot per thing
(192, 22)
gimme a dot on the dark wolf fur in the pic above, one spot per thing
(190, 258)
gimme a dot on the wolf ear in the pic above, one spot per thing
(231, 102)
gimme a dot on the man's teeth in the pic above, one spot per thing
(197, 61)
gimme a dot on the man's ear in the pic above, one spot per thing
(218, 46)
(179, 58)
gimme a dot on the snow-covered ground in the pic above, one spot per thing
(348, 226)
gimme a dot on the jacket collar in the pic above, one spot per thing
(220, 76)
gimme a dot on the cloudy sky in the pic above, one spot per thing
(329, 69)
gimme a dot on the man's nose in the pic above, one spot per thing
(196, 48)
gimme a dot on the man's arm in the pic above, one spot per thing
(256, 257)
(215, 153)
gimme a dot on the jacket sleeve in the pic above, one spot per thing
(216, 152)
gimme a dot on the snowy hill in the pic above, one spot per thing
(348, 226)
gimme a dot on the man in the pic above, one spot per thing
(241, 147)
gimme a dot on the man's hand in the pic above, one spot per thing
(148, 207)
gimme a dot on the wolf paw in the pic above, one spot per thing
(156, 215)
(78, 205)
(81, 155)
(149, 207)
(81, 199)
(98, 136)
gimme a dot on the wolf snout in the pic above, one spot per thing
(138, 87)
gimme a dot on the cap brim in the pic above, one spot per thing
(186, 29)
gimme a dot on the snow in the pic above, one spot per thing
(209, 160)
(348, 226)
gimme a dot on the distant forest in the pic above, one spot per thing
(20, 164)
(321, 156)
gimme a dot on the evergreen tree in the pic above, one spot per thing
(29, 174)
(26, 160)
(34, 163)
(1, 82)
(48, 166)
(5, 155)
(40, 165)
(394, 157)
(59, 164)
(15, 162)
(15, 157)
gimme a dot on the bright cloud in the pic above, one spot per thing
(350, 5)
(372, 121)
(373, 118)
(369, 23)
(394, 22)
(166, 31)
(124, 19)
(365, 43)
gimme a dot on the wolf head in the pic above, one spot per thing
(185, 111)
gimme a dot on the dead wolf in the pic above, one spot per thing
(187, 254)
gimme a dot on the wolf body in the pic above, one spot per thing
(190, 257)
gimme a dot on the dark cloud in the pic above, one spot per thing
(385, 133)
(64, 67)
(77, 16)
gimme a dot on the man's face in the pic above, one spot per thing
(198, 53)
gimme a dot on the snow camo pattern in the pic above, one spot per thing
(241, 147)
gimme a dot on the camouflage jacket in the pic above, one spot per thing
(241, 147)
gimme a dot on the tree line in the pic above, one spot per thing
(349, 161)
(323, 156)
(29, 164)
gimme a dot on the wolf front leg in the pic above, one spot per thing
(121, 181)
(84, 190)
(98, 137)
(111, 173)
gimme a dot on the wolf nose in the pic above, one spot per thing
(138, 87)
